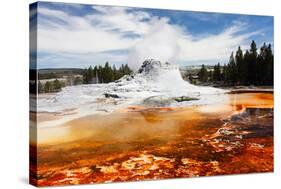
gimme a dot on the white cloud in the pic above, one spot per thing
(93, 33)
(122, 18)
(84, 36)
(59, 60)
(214, 47)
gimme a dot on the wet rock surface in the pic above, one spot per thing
(158, 101)
(184, 98)
(241, 143)
(108, 95)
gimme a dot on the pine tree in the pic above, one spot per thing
(105, 74)
(114, 73)
(224, 73)
(100, 73)
(90, 74)
(85, 78)
(247, 68)
(210, 76)
(217, 73)
(127, 70)
(269, 66)
(232, 69)
(203, 74)
(239, 64)
(261, 65)
(48, 87)
(252, 69)
(56, 85)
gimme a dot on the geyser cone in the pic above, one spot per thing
(153, 79)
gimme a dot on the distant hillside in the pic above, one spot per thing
(50, 73)
(61, 70)
(195, 67)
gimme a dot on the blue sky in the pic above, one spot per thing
(75, 35)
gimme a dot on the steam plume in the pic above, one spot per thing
(160, 43)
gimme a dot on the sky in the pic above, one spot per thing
(77, 36)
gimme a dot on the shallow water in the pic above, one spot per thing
(138, 122)
(148, 143)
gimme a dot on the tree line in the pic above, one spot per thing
(98, 74)
(244, 68)
(50, 86)
(104, 74)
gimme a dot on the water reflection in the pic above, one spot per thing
(139, 123)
